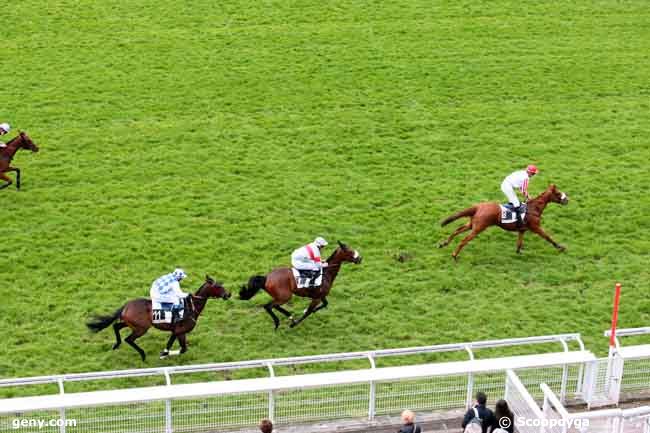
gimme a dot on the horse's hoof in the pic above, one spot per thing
(455, 257)
(164, 354)
(442, 245)
(116, 345)
(561, 248)
(293, 323)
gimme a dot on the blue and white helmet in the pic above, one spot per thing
(179, 274)
(320, 242)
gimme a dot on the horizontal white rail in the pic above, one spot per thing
(563, 339)
(171, 392)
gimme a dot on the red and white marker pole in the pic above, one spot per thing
(612, 336)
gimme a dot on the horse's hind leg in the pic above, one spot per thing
(17, 178)
(117, 327)
(6, 179)
(282, 310)
(458, 231)
(469, 237)
(269, 309)
(137, 333)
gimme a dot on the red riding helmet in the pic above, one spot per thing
(532, 169)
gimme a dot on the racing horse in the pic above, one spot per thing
(136, 314)
(21, 141)
(484, 215)
(281, 285)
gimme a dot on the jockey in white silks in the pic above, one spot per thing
(4, 128)
(167, 289)
(518, 180)
(307, 258)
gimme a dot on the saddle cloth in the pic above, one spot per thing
(303, 278)
(508, 214)
(161, 312)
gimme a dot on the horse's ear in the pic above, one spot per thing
(340, 244)
(207, 277)
(553, 187)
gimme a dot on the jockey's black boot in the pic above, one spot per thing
(518, 216)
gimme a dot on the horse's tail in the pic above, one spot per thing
(255, 283)
(100, 322)
(470, 211)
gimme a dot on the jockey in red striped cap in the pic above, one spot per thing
(307, 259)
(518, 180)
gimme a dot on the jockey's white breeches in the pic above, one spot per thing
(510, 193)
(170, 297)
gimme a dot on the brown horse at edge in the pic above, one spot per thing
(21, 141)
(484, 215)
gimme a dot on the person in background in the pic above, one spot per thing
(408, 418)
(266, 426)
(479, 414)
(504, 419)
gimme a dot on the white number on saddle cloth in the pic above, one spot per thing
(508, 216)
(158, 315)
(303, 282)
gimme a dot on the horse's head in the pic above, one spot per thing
(27, 143)
(213, 289)
(345, 254)
(558, 196)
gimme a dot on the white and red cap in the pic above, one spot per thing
(532, 169)
(5, 127)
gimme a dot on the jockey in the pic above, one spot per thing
(518, 180)
(4, 128)
(167, 289)
(307, 258)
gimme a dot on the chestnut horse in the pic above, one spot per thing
(281, 285)
(21, 141)
(484, 215)
(136, 314)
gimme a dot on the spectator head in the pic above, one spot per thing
(502, 406)
(408, 417)
(481, 398)
(266, 426)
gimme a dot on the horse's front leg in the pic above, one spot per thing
(543, 235)
(182, 340)
(322, 305)
(520, 241)
(310, 309)
(170, 343)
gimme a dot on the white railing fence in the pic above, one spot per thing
(222, 405)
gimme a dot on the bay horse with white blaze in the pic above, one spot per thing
(484, 215)
(21, 141)
(281, 285)
(136, 314)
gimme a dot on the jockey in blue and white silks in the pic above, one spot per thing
(167, 289)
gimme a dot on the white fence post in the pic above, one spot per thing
(169, 424)
(271, 395)
(470, 381)
(372, 400)
(62, 410)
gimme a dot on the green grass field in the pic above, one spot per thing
(219, 136)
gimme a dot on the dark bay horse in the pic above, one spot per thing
(484, 215)
(281, 285)
(21, 141)
(136, 314)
